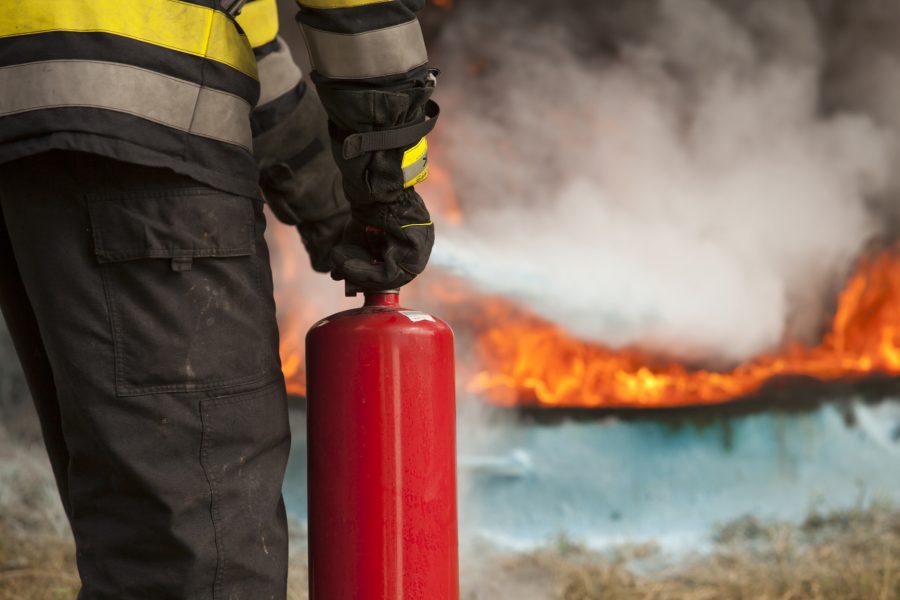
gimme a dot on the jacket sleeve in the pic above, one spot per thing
(297, 174)
(371, 70)
(298, 177)
(366, 42)
(281, 82)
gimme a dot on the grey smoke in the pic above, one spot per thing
(693, 177)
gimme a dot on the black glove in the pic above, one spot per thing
(377, 139)
(321, 215)
(403, 240)
(320, 238)
(358, 117)
(300, 180)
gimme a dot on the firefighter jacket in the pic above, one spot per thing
(174, 83)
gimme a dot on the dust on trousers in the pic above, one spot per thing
(140, 304)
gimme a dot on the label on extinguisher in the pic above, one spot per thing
(416, 316)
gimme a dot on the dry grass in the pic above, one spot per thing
(37, 561)
(37, 558)
(847, 555)
(36, 567)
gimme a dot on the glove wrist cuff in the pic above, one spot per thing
(357, 144)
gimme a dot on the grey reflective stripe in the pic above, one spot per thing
(415, 169)
(124, 88)
(278, 74)
(387, 51)
(233, 7)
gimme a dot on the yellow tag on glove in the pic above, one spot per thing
(415, 164)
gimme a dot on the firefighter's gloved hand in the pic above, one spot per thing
(320, 237)
(378, 142)
(397, 257)
(300, 180)
(320, 214)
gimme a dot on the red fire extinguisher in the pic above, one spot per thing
(381, 434)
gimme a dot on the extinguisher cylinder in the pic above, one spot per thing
(381, 434)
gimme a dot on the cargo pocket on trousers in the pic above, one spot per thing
(189, 297)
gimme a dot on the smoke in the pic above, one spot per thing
(28, 498)
(693, 177)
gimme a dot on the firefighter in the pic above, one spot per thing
(134, 277)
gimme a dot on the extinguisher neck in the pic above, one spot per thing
(385, 299)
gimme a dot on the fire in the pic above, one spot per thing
(527, 360)
(522, 360)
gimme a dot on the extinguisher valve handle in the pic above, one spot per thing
(351, 291)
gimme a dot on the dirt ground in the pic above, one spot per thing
(846, 555)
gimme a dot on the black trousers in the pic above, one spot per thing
(140, 304)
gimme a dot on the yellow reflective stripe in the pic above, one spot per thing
(327, 4)
(171, 24)
(388, 51)
(428, 224)
(149, 95)
(259, 20)
(415, 164)
(415, 153)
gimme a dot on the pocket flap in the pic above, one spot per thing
(171, 224)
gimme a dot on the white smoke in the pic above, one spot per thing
(660, 174)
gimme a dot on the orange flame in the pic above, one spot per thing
(528, 360)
